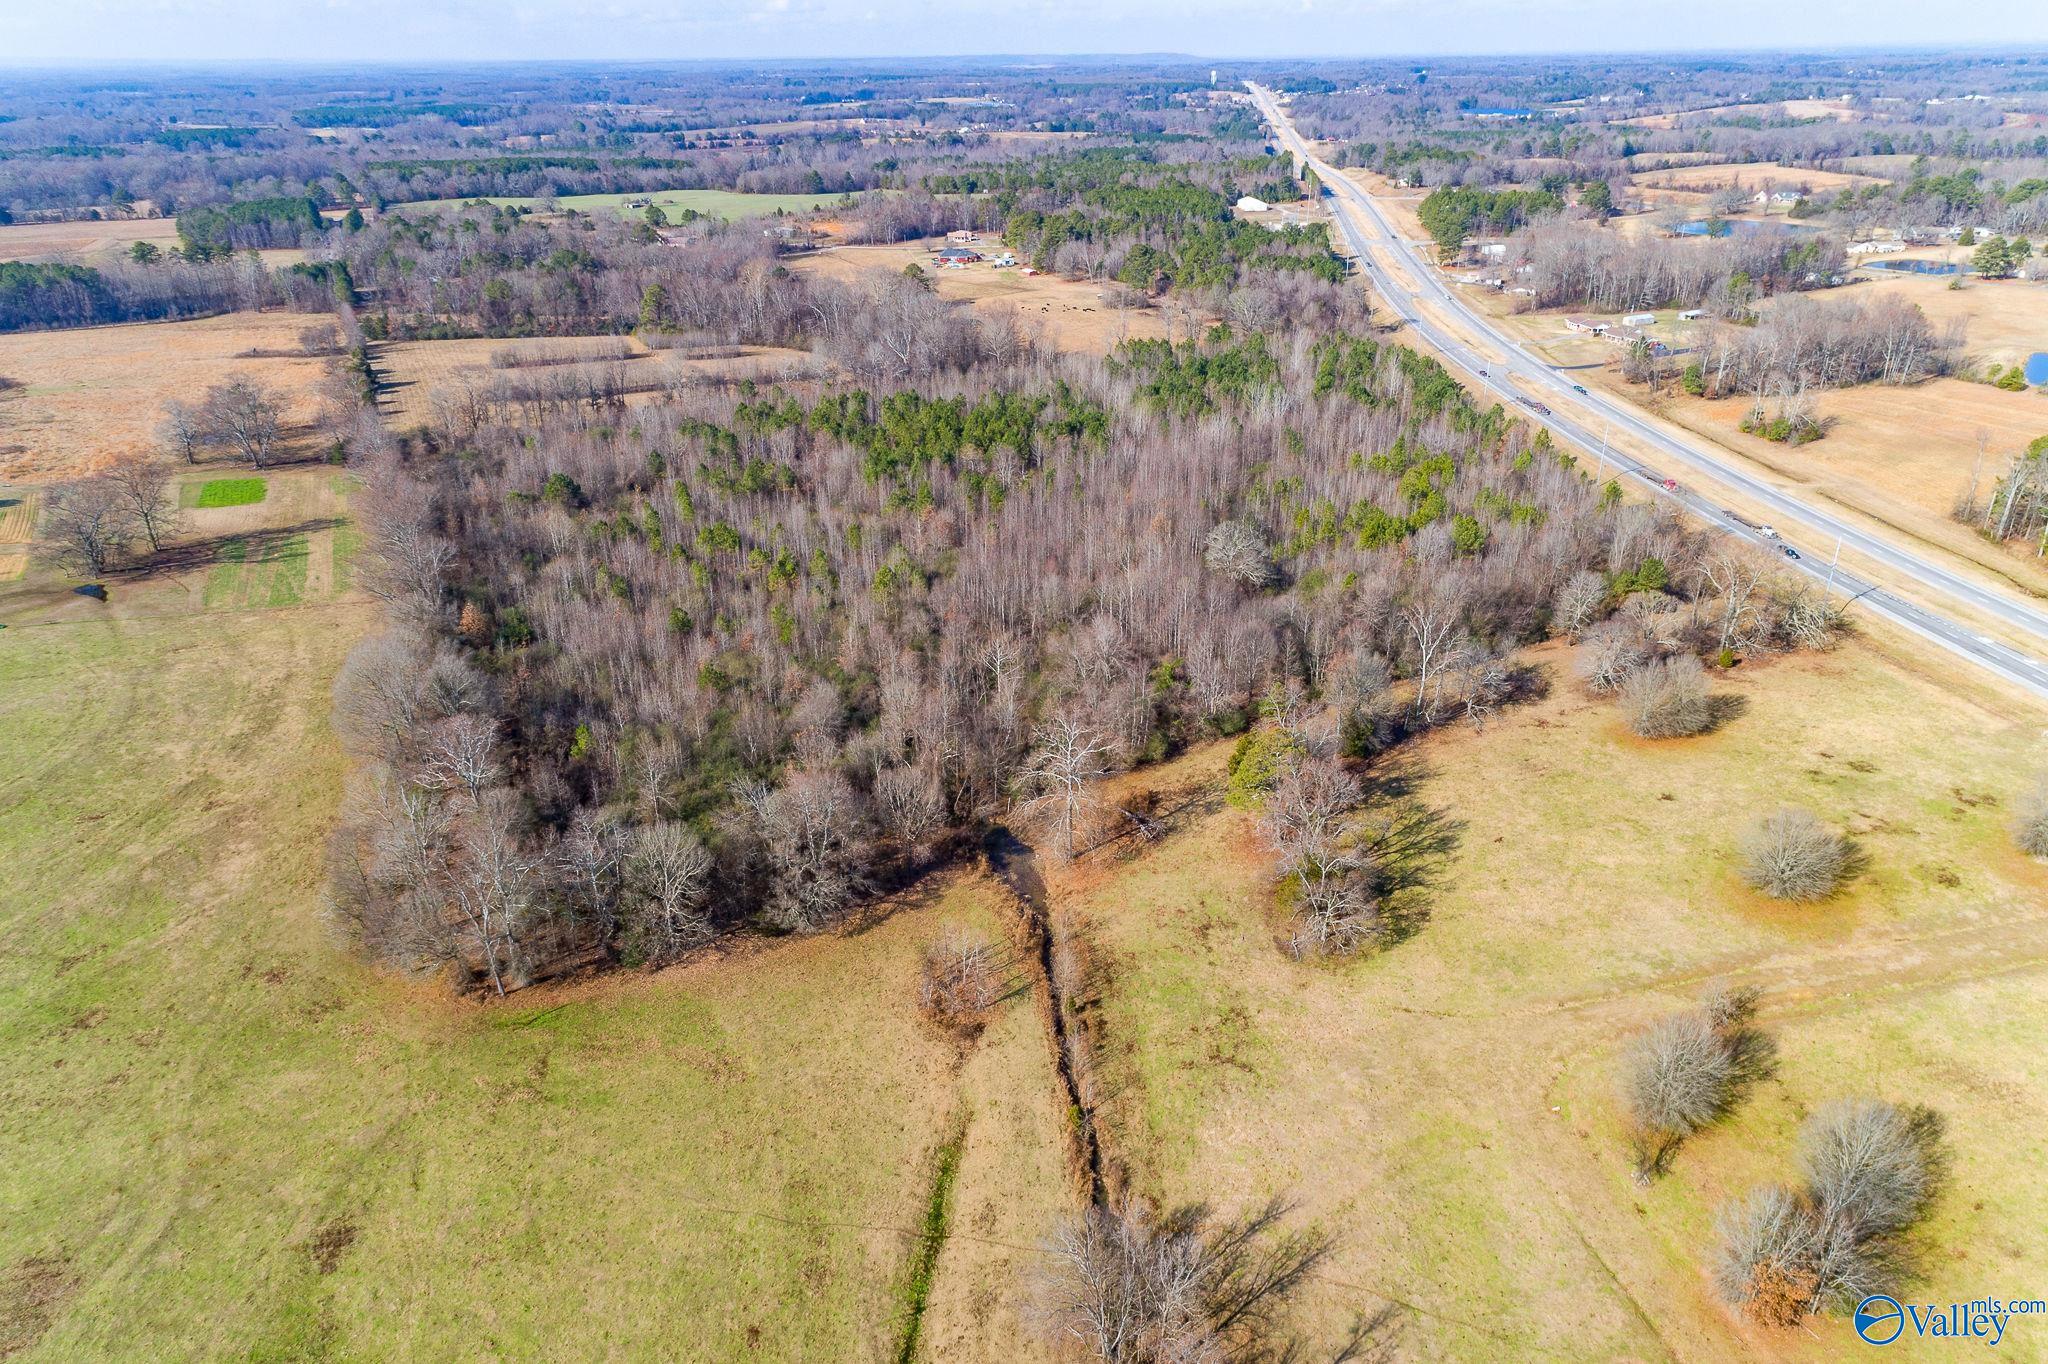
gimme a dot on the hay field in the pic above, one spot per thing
(93, 393)
(1078, 316)
(1447, 1107)
(714, 203)
(1838, 110)
(228, 1138)
(416, 372)
(84, 243)
(1752, 176)
(17, 530)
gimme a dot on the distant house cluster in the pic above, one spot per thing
(1630, 329)
(962, 251)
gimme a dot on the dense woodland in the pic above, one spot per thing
(744, 658)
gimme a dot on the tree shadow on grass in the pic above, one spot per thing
(188, 555)
(1723, 709)
(1410, 853)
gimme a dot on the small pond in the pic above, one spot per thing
(1734, 227)
(2037, 368)
(1919, 267)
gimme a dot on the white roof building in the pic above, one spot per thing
(1247, 204)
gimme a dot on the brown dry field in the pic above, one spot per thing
(93, 393)
(1792, 108)
(17, 530)
(1070, 315)
(2004, 321)
(415, 371)
(1751, 175)
(83, 243)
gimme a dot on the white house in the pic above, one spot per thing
(1247, 204)
(1873, 248)
(1639, 320)
(1692, 314)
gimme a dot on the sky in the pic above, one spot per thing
(34, 32)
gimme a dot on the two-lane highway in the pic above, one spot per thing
(1590, 419)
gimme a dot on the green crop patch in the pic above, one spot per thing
(227, 492)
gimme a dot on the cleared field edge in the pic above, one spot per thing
(17, 532)
(1176, 945)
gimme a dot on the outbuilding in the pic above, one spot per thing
(1248, 204)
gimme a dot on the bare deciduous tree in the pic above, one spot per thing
(1733, 573)
(1238, 550)
(462, 754)
(89, 522)
(494, 893)
(1667, 698)
(1791, 855)
(408, 568)
(1872, 1165)
(1134, 1287)
(1432, 623)
(1871, 1170)
(590, 857)
(1577, 604)
(1765, 1264)
(1307, 818)
(1686, 1071)
(147, 485)
(1611, 654)
(1067, 757)
(961, 980)
(668, 873)
(2030, 830)
(811, 833)
(183, 432)
(244, 416)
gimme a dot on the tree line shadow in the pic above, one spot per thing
(1412, 847)
(185, 556)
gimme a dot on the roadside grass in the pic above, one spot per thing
(227, 1138)
(1447, 1108)
(223, 492)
